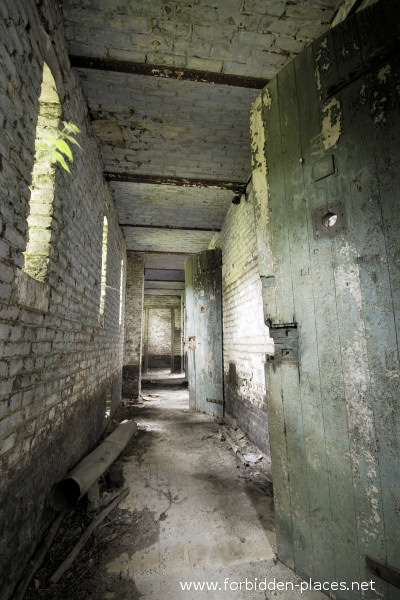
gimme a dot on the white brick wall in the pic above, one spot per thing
(245, 336)
(57, 360)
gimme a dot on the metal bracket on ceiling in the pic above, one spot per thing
(236, 200)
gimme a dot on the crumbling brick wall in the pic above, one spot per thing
(60, 360)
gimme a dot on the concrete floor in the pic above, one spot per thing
(197, 516)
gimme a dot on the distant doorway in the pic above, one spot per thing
(162, 340)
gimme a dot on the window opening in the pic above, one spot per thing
(40, 217)
(103, 285)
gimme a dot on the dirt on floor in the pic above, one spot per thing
(128, 530)
(86, 579)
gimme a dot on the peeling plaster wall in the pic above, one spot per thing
(326, 135)
(60, 360)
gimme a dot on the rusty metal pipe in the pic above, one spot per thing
(78, 481)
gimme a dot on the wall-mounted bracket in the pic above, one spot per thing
(215, 401)
(286, 339)
(329, 220)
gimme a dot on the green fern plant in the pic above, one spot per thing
(55, 145)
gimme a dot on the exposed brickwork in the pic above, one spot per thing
(167, 122)
(154, 301)
(207, 209)
(158, 320)
(159, 338)
(243, 37)
(58, 361)
(183, 128)
(245, 338)
(133, 324)
(251, 419)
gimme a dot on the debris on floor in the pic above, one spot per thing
(193, 513)
(249, 455)
(252, 458)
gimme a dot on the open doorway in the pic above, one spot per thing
(162, 346)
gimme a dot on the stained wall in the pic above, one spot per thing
(326, 139)
(246, 340)
(60, 355)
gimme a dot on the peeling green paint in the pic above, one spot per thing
(331, 124)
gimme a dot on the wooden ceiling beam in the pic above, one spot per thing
(168, 227)
(234, 186)
(181, 73)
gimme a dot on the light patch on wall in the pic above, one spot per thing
(354, 349)
(173, 132)
(370, 522)
(108, 402)
(111, 133)
(347, 279)
(40, 219)
(383, 74)
(103, 280)
(331, 124)
(260, 180)
(323, 46)
(266, 98)
(392, 373)
(372, 494)
(121, 293)
(377, 110)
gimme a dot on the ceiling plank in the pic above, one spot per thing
(177, 293)
(135, 68)
(166, 269)
(183, 255)
(164, 285)
(234, 186)
(164, 275)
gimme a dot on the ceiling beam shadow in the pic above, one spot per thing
(181, 73)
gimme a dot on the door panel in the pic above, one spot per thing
(204, 331)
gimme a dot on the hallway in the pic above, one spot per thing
(207, 188)
(192, 514)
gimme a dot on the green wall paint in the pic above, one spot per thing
(330, 142)
(204, 323)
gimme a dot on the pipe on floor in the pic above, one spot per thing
(78, 481)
